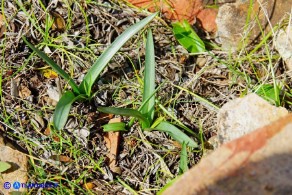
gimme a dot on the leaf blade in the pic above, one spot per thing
(187, 37)
(183, 162)
(106, 56)
(176, 134)
(118, 126)
(55, 66)
(63, 108)
(149, 79)
(126, 112)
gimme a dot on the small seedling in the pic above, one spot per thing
(145, 114)
(83, 91)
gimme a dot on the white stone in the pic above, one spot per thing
(283, 44)
(243, 115)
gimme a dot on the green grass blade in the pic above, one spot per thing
(183, 162)
(119, 126)
(169, 184)
(126, 112)
(187, 37)
(106, 56)
(63, 108)
(55, 66)
(131, 190)
(176, 134)
(149, 79)
(205, 102)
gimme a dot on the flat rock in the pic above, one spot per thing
(243, 115)
(18, 171)
(231, 20)
(257, 163)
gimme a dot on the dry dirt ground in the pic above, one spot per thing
(73, 34)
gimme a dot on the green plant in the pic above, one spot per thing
(270, 93)
(83, 91)
(187, 37)
(145, 114)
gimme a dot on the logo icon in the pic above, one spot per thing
(16, 185)
(7, 185)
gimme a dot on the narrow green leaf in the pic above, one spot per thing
(187, 37)
(149, 79)
(55, 66)
(63, 108)
(175, 119)
(118, 126)
(176, 134)
(106, 56)
(183, 162)
(4, 166)
(126, 112)
(131, 122)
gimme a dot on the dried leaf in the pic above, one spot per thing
(49, 73)
(47, 131)
(61, 158)
(131, 142)
(103, 118)
(55, 138)
(53, 93)
(59, 23)
(39, 120)
(47, 50)
(177, 144)
(88, 185)
(9, 72)
(2, 26)
(112, 143)
(173, 9)
(24, 92)
(14, 88)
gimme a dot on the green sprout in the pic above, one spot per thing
(83, 91)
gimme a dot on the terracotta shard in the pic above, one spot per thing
(257, 163)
